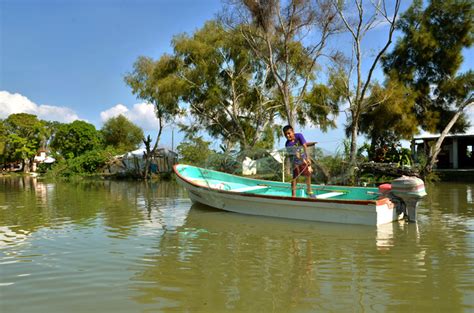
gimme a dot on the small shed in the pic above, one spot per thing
(162, 161)
(457, 150)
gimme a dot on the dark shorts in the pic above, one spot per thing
(301, 170)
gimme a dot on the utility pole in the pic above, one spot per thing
(172, 139)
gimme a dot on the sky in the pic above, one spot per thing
(65, 59)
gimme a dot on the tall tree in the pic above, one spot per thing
(73, 139)
(389, 116)
(155, 82)
(226, 88)
(3, 141)
(290, 37)
(122, 134)
(428, 58)
(354, 84)
(23, 138)
(48, 133)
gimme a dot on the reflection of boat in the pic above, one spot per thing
(339, 204)
(202, 218)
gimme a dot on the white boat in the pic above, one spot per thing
(337, 204)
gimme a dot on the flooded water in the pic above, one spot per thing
(130, 247)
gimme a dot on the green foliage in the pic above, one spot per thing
(225, 161)
(21, 136)
(3, 140)
(334, 166)
(43, 168)
(389, 113)
(21, 148)
(267, 139)
(224, 84)
(153, 81)
(323, 101)
(389, 117)
(122, 134)
(276, 32)
(48, 132)
(194, 151)
(72, 140)
(428, 57)
(89, 162)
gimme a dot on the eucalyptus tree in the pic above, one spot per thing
(389, 115)
(355, 75)
(225, 88)
(290, 38)
(427, 59)
(156, 83)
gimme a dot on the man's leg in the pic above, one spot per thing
(293, 187)
(308, 185)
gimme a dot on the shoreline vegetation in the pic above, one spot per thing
(264, 64)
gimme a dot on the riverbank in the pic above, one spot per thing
(97, 176)
(458, 175)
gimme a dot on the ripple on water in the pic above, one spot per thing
(131, 251)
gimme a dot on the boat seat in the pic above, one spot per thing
(250, 188)
(329, 195)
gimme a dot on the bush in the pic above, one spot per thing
(89, 162)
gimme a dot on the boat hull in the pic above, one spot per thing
(346, 212)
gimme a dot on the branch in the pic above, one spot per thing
(381, 52)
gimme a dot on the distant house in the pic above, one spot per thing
(457, 150)
(41, 157)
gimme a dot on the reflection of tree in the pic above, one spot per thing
(224, 261)
(437, 263)
(19, 203)
(31, 204)
(427, 264)
(221, 261)
(218, 261)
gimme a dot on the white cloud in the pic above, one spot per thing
(17, 103)
(470, 116)
(142, 114)
(113, 111)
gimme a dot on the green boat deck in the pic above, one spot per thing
(223, 181)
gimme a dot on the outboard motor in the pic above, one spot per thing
(409, 190)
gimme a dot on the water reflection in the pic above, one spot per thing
(451, 198)
(29, 204)
(134, 247)
(246, 263)
(469, 194)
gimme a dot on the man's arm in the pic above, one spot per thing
(308, 159)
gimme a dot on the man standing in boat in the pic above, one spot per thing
(301, 162)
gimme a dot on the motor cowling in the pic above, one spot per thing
(410, 190)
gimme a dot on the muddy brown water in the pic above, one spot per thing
(107, 246)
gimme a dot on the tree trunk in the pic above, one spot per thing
(434, 151)
(151, 152)
(353, 151)
(26, 165)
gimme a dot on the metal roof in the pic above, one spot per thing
(469, 132)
